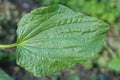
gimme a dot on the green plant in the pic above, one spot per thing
(5, 55)
(4, 76)
(53, 38)
(107, 10)
(114, 64)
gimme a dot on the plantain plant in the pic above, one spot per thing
(52, 38)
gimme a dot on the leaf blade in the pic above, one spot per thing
(59, 39)
(4, 76)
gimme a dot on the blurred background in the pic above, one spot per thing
(103, 66)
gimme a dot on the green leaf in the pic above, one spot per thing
(53, 38)
(4, 76)
(6, 56)
(115, 64)
(2, 55)
(1, 18)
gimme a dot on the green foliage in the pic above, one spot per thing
(117, 29)
(4, 56)
(103, 9)
(1, 18)
(88, 64)
(115, 64)
(92, 77)
(103, 60)
(73, 76)
(53, 38)
(4, 76)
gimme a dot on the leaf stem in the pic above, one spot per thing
(8, 46)
(110, 50)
